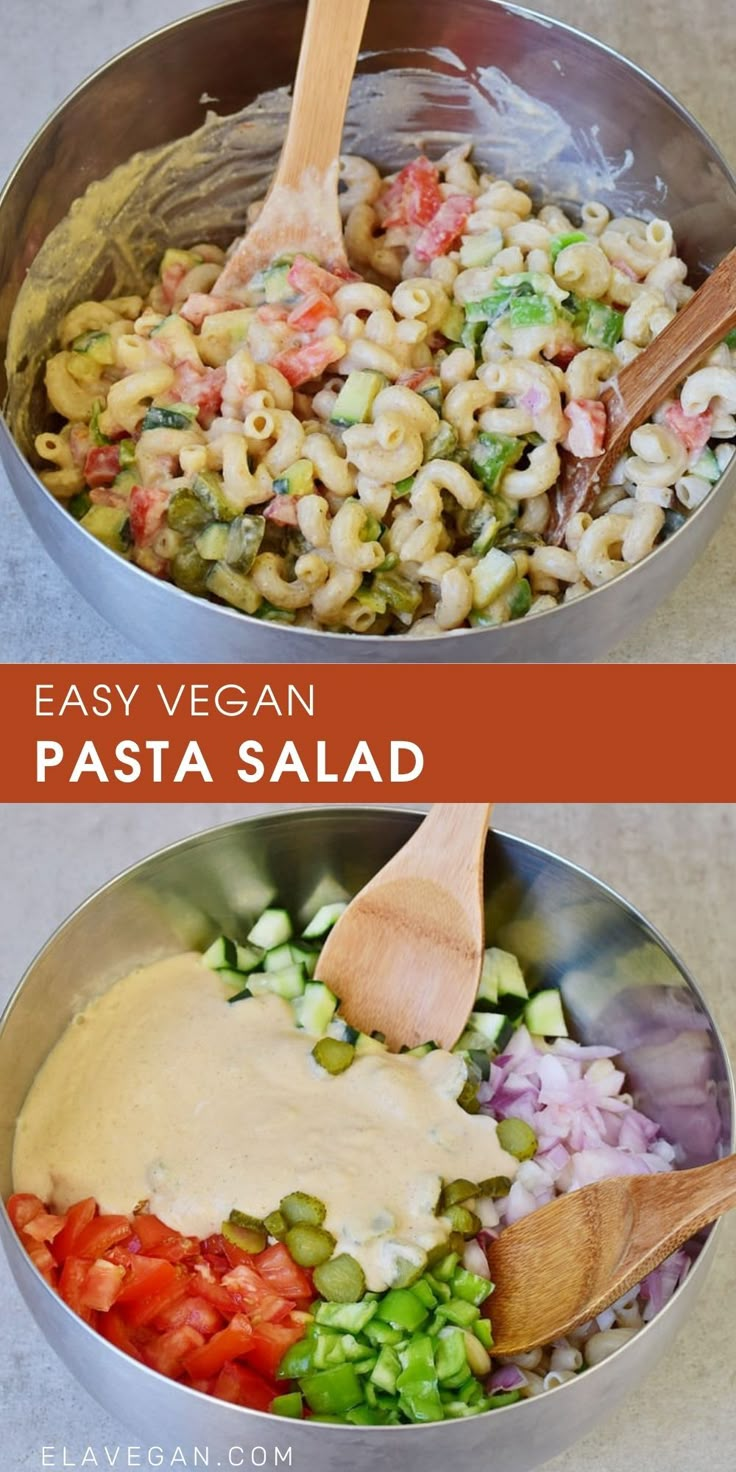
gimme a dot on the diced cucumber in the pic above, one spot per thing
(236, 979)
(109, 524)
(431, 390)
(280, 957)
(364, 1044)
(223, 333)
(170, 416)
(233, 587)
(316, 1008)
(173, 257)
(124, 482)
(479, 250)
(225, 953)
(707, 466)
(486, 536)
(298, 480)
(543, 1015)
(271, 929)
(287, 983)
(208, 489)
(212, 543)
(453, 322)
(483, 1030)
(276, 283)
(519, 598)
(508, 975)
(354, 402)
(442, 444)
(79, 505)
(97, 345)
(492, 576)
(325, 918)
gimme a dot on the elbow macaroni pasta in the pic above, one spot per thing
(368, 452)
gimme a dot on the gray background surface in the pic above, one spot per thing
(674, 863)
(685, 43)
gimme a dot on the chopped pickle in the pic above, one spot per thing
(333, 1055)
(298, 1207)
(457, 1192)
(341, 1279)
(463, 1220)
(309, 1246)
(248, 1239)
(276, 1225)
(494, 1186)
(518, 1137)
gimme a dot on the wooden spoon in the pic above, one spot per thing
(405, 957)
(568, 1261)
(301, 211)
(644, 383)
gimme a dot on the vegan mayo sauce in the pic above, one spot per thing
(161, 1091)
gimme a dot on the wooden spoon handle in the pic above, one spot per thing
(451, 839)
(642, 384)
(326, 64)
(669, 1209)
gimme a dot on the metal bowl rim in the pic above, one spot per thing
(369, 640)
(324, 811)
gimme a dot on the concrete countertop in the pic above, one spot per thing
(675, 863)
(45, 619)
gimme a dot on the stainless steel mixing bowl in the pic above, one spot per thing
(622, 985)
(597, 124)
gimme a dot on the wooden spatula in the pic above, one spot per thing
(301, 212)
(568, 1261)
(405, 957)
(643, 384)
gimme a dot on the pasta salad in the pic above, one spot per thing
(377, 449)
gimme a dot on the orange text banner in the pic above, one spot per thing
(189, 733)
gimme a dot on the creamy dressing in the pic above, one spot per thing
(161, 1091)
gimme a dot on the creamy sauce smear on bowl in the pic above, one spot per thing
(160, 1091)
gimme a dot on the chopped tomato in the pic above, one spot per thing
(444, 228)
(77, 1219)
(113, 1327)
(150, 1230)
(692, 430)
(169, 1352)
(171, 280)
(201, 304)
(300, 365)
(45, 1226)
(195, 1311)
(305, 275)
(22, 1208)
(269, 1345)
(277, 1266)
(272, 312)
(413, 197)
(106, 496)
(416, 379)
(144, 1276)
(242, 1387)
(251, 1292)
(282, 510)
(79, 443)
(44, 1260)
(315, 308)
(586, 436)
(202, 387)
(102, 1284)
(235, 1339)
(101, 465)
(71, 1286)
(564, 356)
(102, 1233)
(625, 269)
(147, 511)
